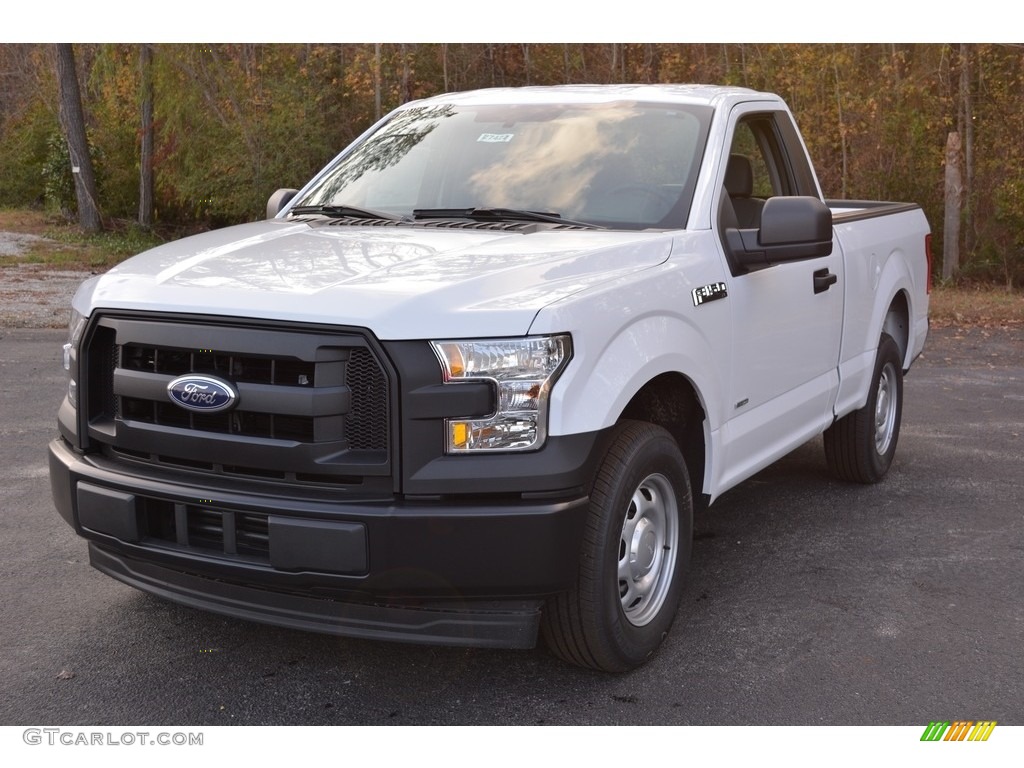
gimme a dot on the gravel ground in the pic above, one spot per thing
(32, 295)
(13, 243)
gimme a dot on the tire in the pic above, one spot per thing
(636, 548)
(860, 446)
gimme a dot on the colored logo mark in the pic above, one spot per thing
(959, 730)
(205, 394)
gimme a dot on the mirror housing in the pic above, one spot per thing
(279, 200)
(792, 229)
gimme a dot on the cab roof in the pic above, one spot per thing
(708, 95)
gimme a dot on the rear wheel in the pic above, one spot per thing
(636, 549)
(860, 446)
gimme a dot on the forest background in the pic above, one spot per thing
(184, 137)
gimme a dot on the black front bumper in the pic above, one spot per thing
(438, 571)
(500, 624)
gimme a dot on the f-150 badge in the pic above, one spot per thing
(708, 293)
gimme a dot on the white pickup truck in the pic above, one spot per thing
(468, 384)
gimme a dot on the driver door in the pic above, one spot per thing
(787, 326)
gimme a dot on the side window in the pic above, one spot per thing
(766, 159)
(745, 144)
(758, 168)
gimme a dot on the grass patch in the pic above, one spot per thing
(65, 246)
(76, 249)
(25, 221)
(985, 306)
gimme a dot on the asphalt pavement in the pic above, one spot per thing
(809, 601)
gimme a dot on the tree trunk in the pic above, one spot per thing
(951, 229)
(405, 87)
(72, 121)
(967, 131)
(376, 82)
(842, 122)
(146, 149)
(444, 65)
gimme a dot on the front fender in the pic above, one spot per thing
(634, 329)
(607, 374)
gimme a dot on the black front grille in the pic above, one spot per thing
(239, 368)
(237, 422)
(368, 422)
(311, 404)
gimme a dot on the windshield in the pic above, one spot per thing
(622, 165)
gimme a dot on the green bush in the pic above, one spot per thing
(23, 149)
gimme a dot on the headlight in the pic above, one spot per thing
(75, 328)
(522, 371)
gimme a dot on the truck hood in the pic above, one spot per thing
(400, 282)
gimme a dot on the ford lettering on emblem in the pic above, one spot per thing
(205, 394)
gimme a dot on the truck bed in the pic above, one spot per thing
(853, 210)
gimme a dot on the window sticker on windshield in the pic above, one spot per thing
(496, 138)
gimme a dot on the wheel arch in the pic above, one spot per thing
(892, 311)
(670, 400)
(652, 369)
(897, 323)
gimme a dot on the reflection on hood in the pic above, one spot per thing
(376, 277)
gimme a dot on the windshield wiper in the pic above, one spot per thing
(347, 211)
(497, 214)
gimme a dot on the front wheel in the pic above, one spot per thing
(636, 549)
(860, 446)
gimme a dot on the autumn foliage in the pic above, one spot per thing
(232, 123)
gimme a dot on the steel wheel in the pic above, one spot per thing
(860, 446)
(636, 546)
(647, 549)
(885, 409)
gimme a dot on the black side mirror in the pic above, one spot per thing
(792, 229)
(279, 200)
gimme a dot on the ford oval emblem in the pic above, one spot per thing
(205, 394)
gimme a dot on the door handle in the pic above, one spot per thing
(823, 280)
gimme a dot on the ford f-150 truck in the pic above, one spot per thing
(468, 384)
